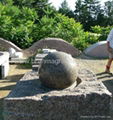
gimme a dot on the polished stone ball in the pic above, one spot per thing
(58, 70)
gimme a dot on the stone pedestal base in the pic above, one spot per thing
(90, 100)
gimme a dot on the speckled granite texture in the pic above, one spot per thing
(90, 100)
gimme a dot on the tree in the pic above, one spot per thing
(65, 10)
(30, 3)
(108, 9)
(9, 2)
(42, 7)
(87, 12)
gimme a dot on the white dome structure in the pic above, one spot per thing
(98, 50)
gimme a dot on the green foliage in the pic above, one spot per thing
(92, 13)
(23, 27)
(108, 10)
(59, 26)
(30, 3)
(88, 12)
(65, 10)
(17, 24)
(39, 51)
(102, 32)
(65, 28)
(84, 40)
(42, 7)
(9, 2)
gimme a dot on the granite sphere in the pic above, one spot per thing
(58, 70)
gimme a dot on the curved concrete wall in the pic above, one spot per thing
(98, 50)
(5, 44)
(53, 43)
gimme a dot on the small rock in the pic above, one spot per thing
(18, 54)
(12, 52)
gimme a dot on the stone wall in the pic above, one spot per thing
(4, 64)
(5, 45)
(53, 43)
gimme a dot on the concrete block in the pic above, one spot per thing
(46, 51)
(14, 54)
(18, 54)
(4, 64)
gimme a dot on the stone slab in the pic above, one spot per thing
(3, 57)
(90, 100)
(46, 51)
(18, 60)
(5, 44)
(37, 61)
(4, 64)
(52, 43)
(35, 67)
(40, 56)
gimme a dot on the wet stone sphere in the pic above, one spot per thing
(58, 70)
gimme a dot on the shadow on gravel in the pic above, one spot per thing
(1, 109)
(109, 85)
(83, 56)
(104, 75)
(12, 78)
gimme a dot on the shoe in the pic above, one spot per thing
(108, 72)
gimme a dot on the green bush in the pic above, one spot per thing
(60, 27)
(102, 31)
(84, 40)
(17, 24)
(22, 27)
(45, 28)
(67, 29)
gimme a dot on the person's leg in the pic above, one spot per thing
(108, 65)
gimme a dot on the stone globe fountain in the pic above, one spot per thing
(58, 70)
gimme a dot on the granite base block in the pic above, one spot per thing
(90, 100)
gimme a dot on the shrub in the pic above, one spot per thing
(60, 27)
(22, 27)
(67, 29)
(17, 24)
(102, 31)
(84, 40)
